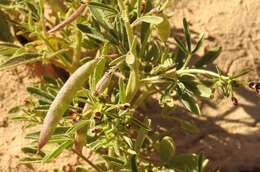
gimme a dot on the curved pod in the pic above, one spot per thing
(63, 100)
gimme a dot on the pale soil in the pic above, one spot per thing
(230, 135)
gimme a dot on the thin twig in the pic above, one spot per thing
(87, 160)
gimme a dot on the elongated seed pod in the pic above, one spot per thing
(63, 100)
(70, 19)
(103, 83)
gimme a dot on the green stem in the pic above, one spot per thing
(187, 61)
(200, 71)
(77, 51)
(158, 79)
(129, 29)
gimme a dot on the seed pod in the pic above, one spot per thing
(235, 101)
(103, 83)
(70, 19)
(63, 100)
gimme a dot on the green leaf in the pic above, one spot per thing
(198, 45)
(197, 88)
(138, 123)
(133, 163)
(103, 7)
(209, 57)
(148, 19)
(32, 150)
(115, 161)
(29, 160)
(164, 28)
(142, 133)
(128, 141)
(5, 33)
(20, 59)
(166, 149)
(181, 45)
(189, 102)
(187, 33)
(57, 151)
(91, 33)
(40, 93)
(189, 127)
(122, 91)
(78, 126)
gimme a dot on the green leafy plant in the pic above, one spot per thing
(117, 57)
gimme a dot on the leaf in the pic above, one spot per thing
(102, 6)
(142, 133)
(78, 126)
(189, 127)
(181, 45)
(148, 19)
(91, 33)
(40, 93)
(133, 163)
(115, 161)
(57, 151)
(187, 33)
(132, 85)
(122, 91)
(166, 149)
(198, 88)
(29, 160)
(199, 43)
(128, 141)
(189, 102)
(164, 28)
(209, 57)
(20, 59)
(117, 60)
(140, 124)
(5, 34)
(32, 150)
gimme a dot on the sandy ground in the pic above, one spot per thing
(230, 135)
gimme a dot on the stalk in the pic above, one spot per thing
(200, 71)
(77, 51)
(187, 61)
(129, 29)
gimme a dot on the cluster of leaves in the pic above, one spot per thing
(117, 55)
